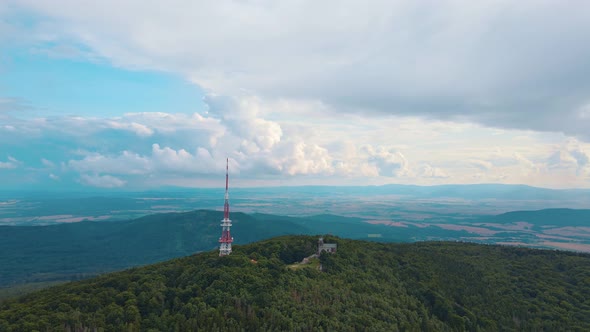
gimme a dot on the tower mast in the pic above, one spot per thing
(225, 240)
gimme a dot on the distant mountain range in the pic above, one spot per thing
(465, 191)
(468, 191)
(400, 202)
(77, 250)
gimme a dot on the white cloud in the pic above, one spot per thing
(126, 163)
(181, 161)
(430, 171)
(387, 161)
(378, 92)
(487, 62)
(571, 157)
(186, 149)
(561, 159)
(301, 158)
(10, 164)
(168, 122)
(139, 129)
(101, 181)
(47, 163)
(242, 117)
(482, 164)
(581, 157)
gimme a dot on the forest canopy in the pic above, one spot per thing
(428, 286)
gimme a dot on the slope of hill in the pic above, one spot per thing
(41, 254)
(549, 228)
(545, 217)
(427, 286)
(38, 254)
(76, 250)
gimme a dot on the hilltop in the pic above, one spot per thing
(428, 286)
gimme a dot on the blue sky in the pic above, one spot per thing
(132, 96)
(54, 86)
(43, 86)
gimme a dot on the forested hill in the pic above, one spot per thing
(63, 252)
(34, 255)
(76, 250)
(427, 286)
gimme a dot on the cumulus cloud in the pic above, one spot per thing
(581, 157)
(293, 158)
(482, 164)
(570, 156)
(326, 151)
(387, 161)
(568, 166)
(430, 171)
(301, 158)
(489, 62)
(186, 149)
(242, 116)
(161, 160)
(561, 159)
(182, 161)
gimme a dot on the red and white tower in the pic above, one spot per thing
(225, 240)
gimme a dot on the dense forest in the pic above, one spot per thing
(78, 250)
(427, 286)
(35, 256)
(73, 251)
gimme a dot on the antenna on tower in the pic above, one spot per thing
(225, 240)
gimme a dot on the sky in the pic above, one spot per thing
(133, 95)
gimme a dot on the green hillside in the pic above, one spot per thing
(76, 250)
(546, 217)
(73, 251)
(34, 256)
(425, 286)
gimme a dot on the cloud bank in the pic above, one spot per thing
(190, 150)
(521, 65)
(301, 92)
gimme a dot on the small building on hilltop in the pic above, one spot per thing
(327, 247)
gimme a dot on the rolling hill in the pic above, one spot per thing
(545, 217)
(76, 250)
(426, 286)
(72, 251)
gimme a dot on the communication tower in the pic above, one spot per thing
(225, 240)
